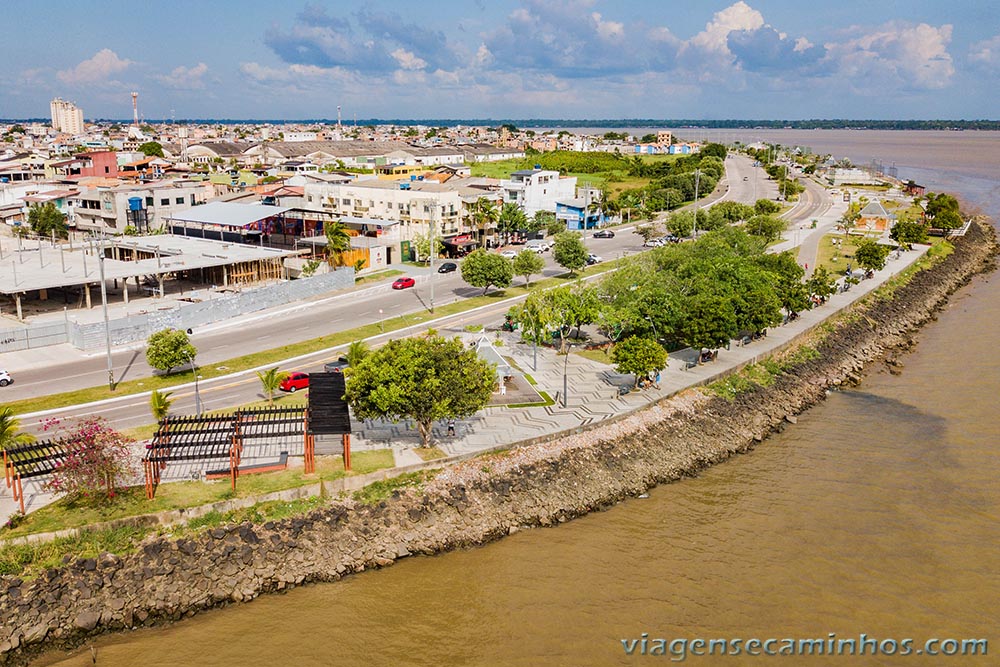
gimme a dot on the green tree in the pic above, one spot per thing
(648, 232)
(706, 319)
(535, 318)
(511, 220)
(822, 283)
(580, 303)
(356, 352)
(484, 213)
(10, 430)
(681, 223)
(871, 255)
(908, 232)
(766, 226)
(766, 207)
(338, 241)
(424, 379)
(159, 404)
(648, 139)
(638, 356)
(151, 148)
(422, 244)
(168, 349)
(948, 220)
(569, 251)
(526, 263)
(554, 226)
(486, 269)
(270, 382)
(44, 219)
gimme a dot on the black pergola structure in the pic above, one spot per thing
(30, 460)
(218, 436)
(328, 413)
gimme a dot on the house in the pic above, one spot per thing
(92, 163)
(579, 214)
(144, 206)
(537, 189)
(875, 218)
(840, 176)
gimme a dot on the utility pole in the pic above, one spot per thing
(430, 279)
(104, 307)
(697, 179)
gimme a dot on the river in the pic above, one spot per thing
(878, 513)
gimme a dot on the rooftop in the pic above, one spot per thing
(227, 214)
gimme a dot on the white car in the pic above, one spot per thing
(5, 378)
(654, 243)
(509, 254)
(537, 245)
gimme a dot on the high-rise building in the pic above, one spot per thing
(66, 117)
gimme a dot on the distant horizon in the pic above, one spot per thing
(529, 123)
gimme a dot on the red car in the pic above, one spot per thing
(403, 283)
(294, 382)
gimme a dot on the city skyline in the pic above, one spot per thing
(509, 59)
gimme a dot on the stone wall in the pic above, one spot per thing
(467, 504)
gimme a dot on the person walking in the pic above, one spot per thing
(451, 427)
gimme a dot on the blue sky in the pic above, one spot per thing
(504, 59)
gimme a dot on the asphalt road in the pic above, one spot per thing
(316, 317)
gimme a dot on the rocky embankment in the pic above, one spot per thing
(471, 503)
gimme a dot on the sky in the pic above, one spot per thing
(504, 59)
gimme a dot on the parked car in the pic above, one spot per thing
(338, 366)
(604, 234)
(653, 243)
(294, 382)
(594, 259)
(5, 378)
(448, 267)
(403, 283)
(509, 254)
(538, 245)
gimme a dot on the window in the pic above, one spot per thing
(107, 170)
(165, 201)
(149, 201)
(180, 200)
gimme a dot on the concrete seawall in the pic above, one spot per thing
(472, 502)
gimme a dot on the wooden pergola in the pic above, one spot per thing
(221, 436)
(37, 459)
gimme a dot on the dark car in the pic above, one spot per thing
(448, 267)
(604, 234)
(338, 366)
(294, 382)
(403, 283)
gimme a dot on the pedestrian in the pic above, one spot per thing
(451, 427)
(657, 381)
(503, 388)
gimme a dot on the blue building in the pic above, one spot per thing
(576, 216)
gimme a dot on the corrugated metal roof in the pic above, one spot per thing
(227, 214)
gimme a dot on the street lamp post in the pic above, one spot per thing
(197, 394)
(565, 377)
(433, 224)
(697, 179)
(104, 307)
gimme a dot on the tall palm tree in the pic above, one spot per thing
(159, 404)
(338, 241)
(270, 381)
(357, 351)
(484, 211)
(10, 427)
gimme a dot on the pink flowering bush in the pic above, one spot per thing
(98, 460)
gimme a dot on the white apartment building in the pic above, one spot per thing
(108, 208)
(537, 190)
(413, 203)
(66, 117)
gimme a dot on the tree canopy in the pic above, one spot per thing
(486, 269)
(527, 263)
(871, 255)
(151, 148)
(638, 356)
(44, 219)
(168, 349)
(569, 251)
(423, 379)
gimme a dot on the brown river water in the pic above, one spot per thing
(877, 514)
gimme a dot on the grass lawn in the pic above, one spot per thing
(429, 453)
(836, 258)
(594, 355)
(175, 495)
(377, 276)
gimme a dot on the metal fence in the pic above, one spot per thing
(134, 328)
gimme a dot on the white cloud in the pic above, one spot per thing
(408, 60)
(608, 29)
(897, 54)
(101, 67)
(715, 36)
(185, 77)
(986, 53)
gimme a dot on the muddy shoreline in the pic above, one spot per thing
(473, 502)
